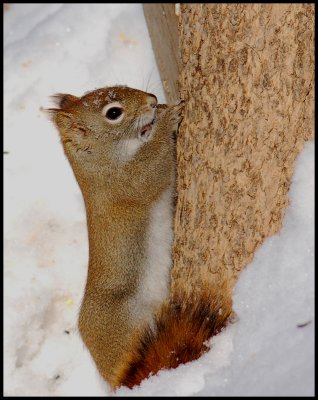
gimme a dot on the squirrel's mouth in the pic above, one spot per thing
(146, 129)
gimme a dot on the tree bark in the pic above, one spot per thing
(247, 78)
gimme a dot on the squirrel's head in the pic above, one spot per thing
(104, 124)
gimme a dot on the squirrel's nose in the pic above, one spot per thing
(152, 101)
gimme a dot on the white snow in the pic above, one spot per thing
(73, 48)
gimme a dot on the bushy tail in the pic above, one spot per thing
(181, 329)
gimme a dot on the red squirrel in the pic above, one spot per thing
(120, 144)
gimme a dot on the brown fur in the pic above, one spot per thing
(118, 198)
(182, 328)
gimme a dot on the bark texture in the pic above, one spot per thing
(247, 79)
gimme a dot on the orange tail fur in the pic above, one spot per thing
(179, 335)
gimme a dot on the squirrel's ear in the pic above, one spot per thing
(60, 118)
(63, 120)
(64, 100)
(68, 126)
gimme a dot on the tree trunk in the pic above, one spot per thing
(247, 79)
(162, 23)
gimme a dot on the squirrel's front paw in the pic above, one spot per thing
(175, 114)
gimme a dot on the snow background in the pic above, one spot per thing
(73, 48)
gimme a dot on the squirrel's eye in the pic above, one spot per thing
(114, 113)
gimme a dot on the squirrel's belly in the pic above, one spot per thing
(155, 281)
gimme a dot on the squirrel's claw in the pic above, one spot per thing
(176, 113)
